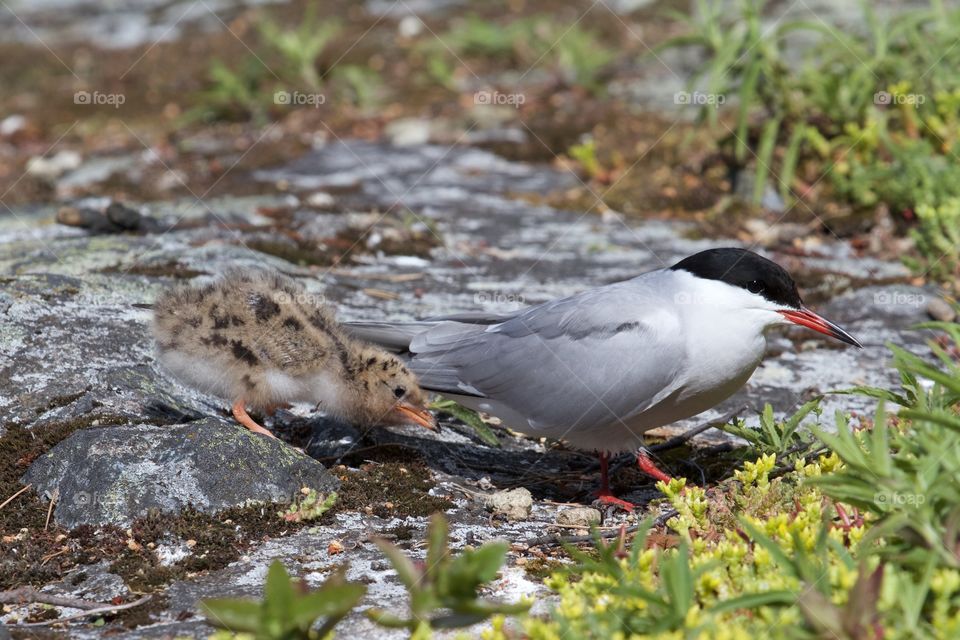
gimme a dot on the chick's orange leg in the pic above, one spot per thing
(240, 413)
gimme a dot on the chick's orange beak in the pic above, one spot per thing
(417, 415)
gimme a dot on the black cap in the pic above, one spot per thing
(747, 270)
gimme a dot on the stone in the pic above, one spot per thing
(515, 504)
(940, 309)
(54, 166)
(578, 517)
(111, 475)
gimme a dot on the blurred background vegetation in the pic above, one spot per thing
(736, 114)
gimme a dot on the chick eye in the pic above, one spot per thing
(754, 286)
(399, 392)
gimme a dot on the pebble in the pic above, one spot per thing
(515, 504)
(12, 124)
(578, 517)
(53, 167)
(320, 200)
(940, 309)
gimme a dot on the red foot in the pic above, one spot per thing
(646, 465)
(612, 500)
(604, 495)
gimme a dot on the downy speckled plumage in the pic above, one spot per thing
(260, 339)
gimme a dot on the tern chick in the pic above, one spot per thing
(260, 340)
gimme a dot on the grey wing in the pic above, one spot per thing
(579, 362)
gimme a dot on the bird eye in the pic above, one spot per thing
(754, 286)
(399, 392)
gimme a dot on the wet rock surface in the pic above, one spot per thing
(75, 350)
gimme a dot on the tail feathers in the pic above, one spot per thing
(392, 336)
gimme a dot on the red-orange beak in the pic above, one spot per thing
(417, 415)
(809, 319)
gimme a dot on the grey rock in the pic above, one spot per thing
(515, 504)
(940, 309)
(578, 517)
(111, 475)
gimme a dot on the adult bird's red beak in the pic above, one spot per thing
(417, 415)
(807, 318)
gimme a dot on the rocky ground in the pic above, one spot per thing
(451, 232)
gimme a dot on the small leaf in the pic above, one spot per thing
(233, 614)
(407, 572)
(278, 593)
(437, 551)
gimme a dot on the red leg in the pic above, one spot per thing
(646, 465)
(240, 413)
(604, 495)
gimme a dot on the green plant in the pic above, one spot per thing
(360, 85)
(903, 471)
(310, 507)
(443, 589)
(288, 610)
(469, 417)
(232, 94)
(874, 108)
(300, 47)
(574, 54)
(585, 153)
(937, 238)
(780, 438)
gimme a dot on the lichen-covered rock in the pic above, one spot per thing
(111, 475)
(514, 504)
(578, 517)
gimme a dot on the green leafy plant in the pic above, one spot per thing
(310, 507)
(937, 238)
(574, 54)
(299, 47)
(903, 470)
(288, 611)
(874, 108)
(779, 437)
(443, 589)
(469, 417)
